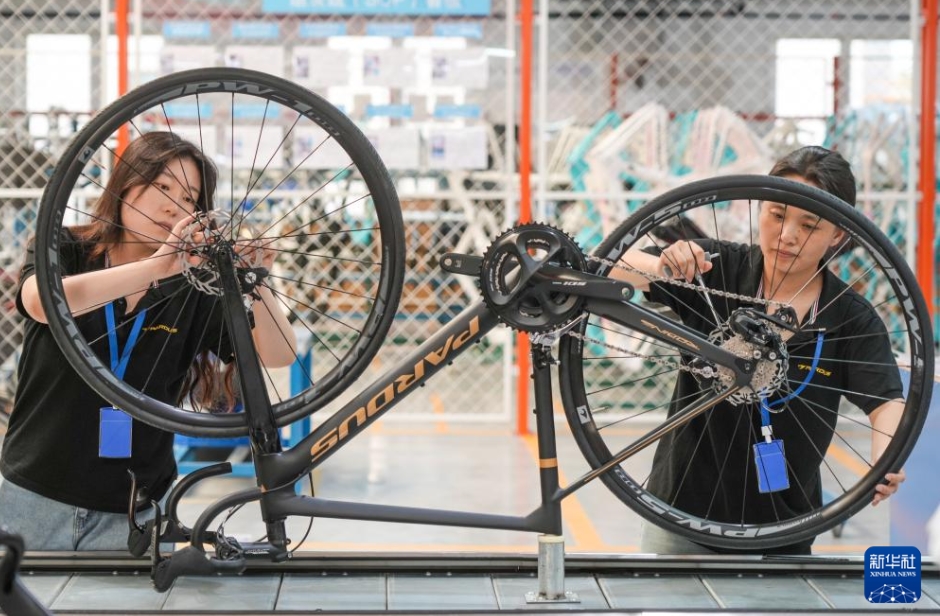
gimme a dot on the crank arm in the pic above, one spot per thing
(465, 265)
(567, 280)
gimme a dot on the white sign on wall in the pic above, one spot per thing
(320, 67)
(390, 68)
(467, 68)
(399, 147)
(203, 137)
(266, 58)
(457, 148)
(253, 149)
(175, 58)
(312, 148)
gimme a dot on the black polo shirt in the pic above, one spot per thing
(707, 467)
(51, 446)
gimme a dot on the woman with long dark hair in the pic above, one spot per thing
(67, 451)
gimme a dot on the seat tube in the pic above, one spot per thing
(542, 361)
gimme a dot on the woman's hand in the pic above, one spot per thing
(256, 250)
(683, 259)
(885, 490)
(166, 259)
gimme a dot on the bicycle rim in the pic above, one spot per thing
(701, 481)
(293, 173)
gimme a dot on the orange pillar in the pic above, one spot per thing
(928, 154)
(525, 198)
(121, 30)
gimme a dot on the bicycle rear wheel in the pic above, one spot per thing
(295, 174)
(701, 480)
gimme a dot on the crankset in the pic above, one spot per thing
(533, 278)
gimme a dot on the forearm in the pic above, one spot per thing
(639, 260)
(273, 335)
(91, 290)
(884, 421)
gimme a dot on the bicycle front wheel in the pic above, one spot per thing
(858, 348)
(295, 176)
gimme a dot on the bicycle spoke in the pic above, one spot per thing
(650, 410)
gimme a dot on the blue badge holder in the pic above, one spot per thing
(114, 437)
(771, 467)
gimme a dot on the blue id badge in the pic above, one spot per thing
(114, 434)
(771, 466)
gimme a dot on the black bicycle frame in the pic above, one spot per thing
(278, 471)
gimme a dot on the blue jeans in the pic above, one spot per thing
(47, 524)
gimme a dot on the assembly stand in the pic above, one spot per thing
(551, 559)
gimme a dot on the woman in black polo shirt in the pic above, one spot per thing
(853, 356)
(66, 454)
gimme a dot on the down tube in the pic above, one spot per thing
(385, 392)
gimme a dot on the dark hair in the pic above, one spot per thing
(824, 168)
(140, 164)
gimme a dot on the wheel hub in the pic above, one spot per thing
(759, 341)
(208, 234)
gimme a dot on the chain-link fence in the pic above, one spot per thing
(639, 96)
(33, 128)
(634, 96)
(432, 93)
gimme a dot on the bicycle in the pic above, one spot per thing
(318, 193)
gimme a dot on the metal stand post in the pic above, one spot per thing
(552, 573)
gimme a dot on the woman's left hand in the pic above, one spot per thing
(251, 249)
(884, 490)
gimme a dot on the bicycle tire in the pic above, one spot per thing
(588, 394)
(213, 101)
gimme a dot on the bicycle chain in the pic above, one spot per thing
(685, 285)
(707, 372)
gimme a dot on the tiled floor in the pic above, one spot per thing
(443, 592)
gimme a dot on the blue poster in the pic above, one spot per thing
(892, 574)
(255, 30)
(187, 29)
(458, 111)
(322, 30)
(473, 30)
(389, 111)
(378, 7)
(392, 30)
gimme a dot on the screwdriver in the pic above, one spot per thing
(708, 257)
(698, 278)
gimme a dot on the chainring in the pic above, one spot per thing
(510, 283)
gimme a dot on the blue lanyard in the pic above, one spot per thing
(765, 406)
(119, 367)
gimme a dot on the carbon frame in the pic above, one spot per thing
(277, 471)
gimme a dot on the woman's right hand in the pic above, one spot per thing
(166, 259)
(683, 259)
